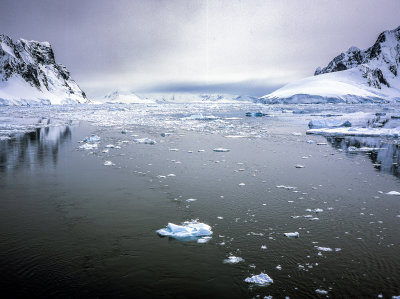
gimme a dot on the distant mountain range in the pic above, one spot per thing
(29, 75)
(132, 97)
(356, 76)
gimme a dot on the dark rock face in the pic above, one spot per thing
(35, 63)
(377, 63)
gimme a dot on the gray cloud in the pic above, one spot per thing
(225, 46)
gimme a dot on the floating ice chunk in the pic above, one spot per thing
(221, 150)
(165, 134)
(188, 230)
(324, 248)
(318, 210)
(108, 163)
(296, 134)
(110, 146)
(286, 187)
(325, 123)
(123, 131)
(393, 193)
(322, 143)
(261, 279)
(292, 235)
(191, 199)
(88, 146)
(236, 136)
(220, 217)
(201, 151)
(171, 175)
(204, 240)
(174, 149)
(364, 132)
(263, 247)
(233, 260)
(242, 184)
(92, 139)
(299, 166)
(322, 292)
(396, 297)
(105, 151)
(279, 267)
(144, 141)
(310, 141)
(200, 117)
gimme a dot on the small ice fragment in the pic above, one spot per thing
(124, 131)
(188, 230)
(174, 150)
(310, 141)
(92, 139)
(105, 151)
(233, 260)
(299, 166)
(171, 175)
(200, 151)
(263, 247)
(322, 143)
(110, 146)
(324, 249)
(108, 163)
(88, 146)
(296, 134)
(191, 199)
(279, 267)
(318, 210)
(221, 150)
(292, 235)
(220, 217)
(242, 184)
(393, 193)
(165, 134)
(260, 279)
(322, 292)
(204, 240)
(144, 141)
(338, 249)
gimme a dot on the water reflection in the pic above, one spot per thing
(383, 154)
(36, 148)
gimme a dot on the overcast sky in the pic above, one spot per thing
(242, 47)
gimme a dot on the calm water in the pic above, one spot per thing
(72, 227)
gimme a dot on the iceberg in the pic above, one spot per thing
(261, 279)
(189, 230)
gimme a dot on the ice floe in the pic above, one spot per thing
(261, 279)
(322, 292)
(144, 141)
(396, 193)
(89, 146)
(189, 230)
(292, 235)
(233, 260)
(221, 150)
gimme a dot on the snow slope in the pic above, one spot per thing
(29, 75)
(356, 76)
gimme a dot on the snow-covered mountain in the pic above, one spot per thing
(356, 76)
(130, 97)
(29, 75)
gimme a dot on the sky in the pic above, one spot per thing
(248, 47)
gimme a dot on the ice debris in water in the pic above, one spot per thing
(92, 139)
(108, 163)
(393, 193)
(189, 230)
(88, 146)
(260, 279)
(233, 260)
(165, 134)
(292, 235)
(124, 131)
(191, 199)
(332, 123)
(296, 134)
(203, 240)
(242, 184)
(324, 248)
(144, 141)
(322, 292)
(200, 117)
(221, 150)
(299, 166)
